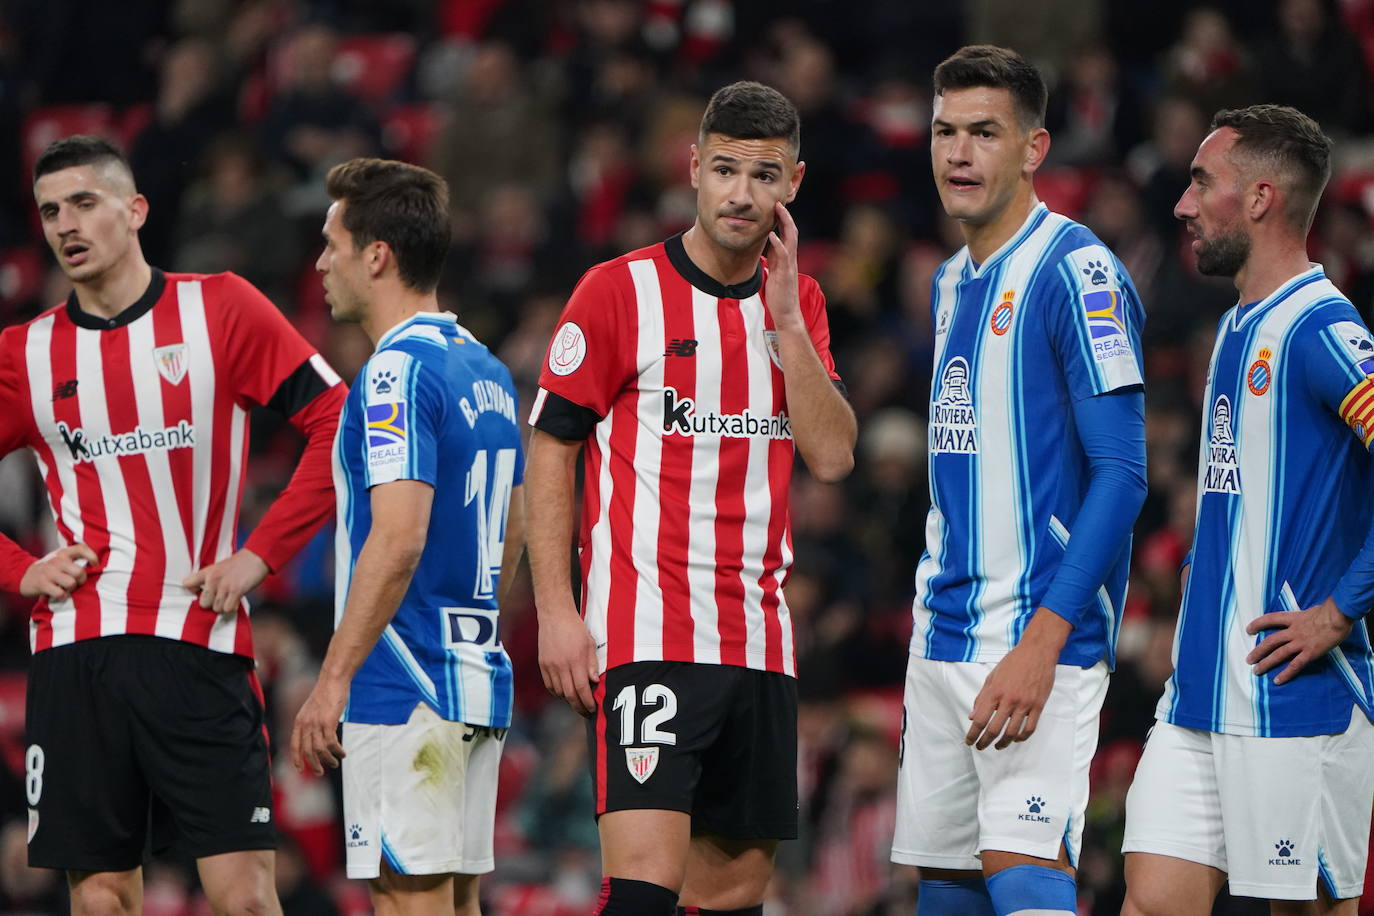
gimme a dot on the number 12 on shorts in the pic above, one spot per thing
(653, 695)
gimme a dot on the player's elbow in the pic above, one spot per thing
(832, 465)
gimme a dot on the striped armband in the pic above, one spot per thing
(1357, 410)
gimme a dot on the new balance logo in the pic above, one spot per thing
(63, 390)
(681, 346)
(261, 816)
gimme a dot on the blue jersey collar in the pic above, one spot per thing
(445, 320)
(1240, 317)
(1033, 220)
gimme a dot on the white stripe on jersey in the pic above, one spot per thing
(113, 584)
(757, 502)
(200, 375)
(701, 533)
(38, 361)
(225, 628)
(597, 607)
(171, 617)
(648, 609)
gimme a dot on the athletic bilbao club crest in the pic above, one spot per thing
(771, 339)
(171, 362)
(1261, 373)
(641, 762)
(1001, 316)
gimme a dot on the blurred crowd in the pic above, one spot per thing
(562, 127)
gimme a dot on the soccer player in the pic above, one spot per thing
(688, 370)
(1263, 775)
(1037, 472)
(428, 469)
(133, 395)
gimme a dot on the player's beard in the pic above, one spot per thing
(1224, 255)
(728, 240)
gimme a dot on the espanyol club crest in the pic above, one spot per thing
(171, 362)
(1001, 316)
(641, 762)
(1261, 373)
(771, 339)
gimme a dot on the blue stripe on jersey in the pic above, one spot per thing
(456, 419)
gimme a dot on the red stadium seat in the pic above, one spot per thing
(1064, 189)
(372, 67)
(44, 125)
(408, 132)
(21, 276)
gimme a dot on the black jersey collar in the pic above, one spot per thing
(131, 314)
(677, 256)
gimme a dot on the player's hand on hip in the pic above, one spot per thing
(315, 735)
(1008, 707)
(780, 294)
(1299, 637)
(567, 660)
(59, 573)
(223, 584)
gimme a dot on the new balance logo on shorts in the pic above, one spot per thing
(261, 816)
(641, 762)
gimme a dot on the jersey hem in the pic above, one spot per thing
(752, 661)
(961, 863)
(993, 656)
(1293, 730)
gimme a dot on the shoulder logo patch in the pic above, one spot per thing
(1357, 343)
(568, 349)
(171, 362)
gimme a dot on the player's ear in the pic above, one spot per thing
(138, 212)
(695, 167)
(1037, 148)
(795, 182)
(1263, 197)
(379, 254)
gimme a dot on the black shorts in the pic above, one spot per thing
(716, 741)
(128, 733)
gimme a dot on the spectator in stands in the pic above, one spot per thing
(1207, 64)
(1313, 64)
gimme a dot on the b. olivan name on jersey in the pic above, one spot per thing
(487, 397)
(1223, 471)
(84, 447)
(680, 416)
(953, 422)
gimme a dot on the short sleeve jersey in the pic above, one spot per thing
(1285, 499)
(675, 382)
(433, 405)
(1049, 319)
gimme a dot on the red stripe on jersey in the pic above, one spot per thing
(730, 509)
(144, 594)
(599, 696)
(780, 456)
(95, 528)
(624, 580)
(675, 471)
(176, 402)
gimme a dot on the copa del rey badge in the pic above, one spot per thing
(641, 761)
(171, 362)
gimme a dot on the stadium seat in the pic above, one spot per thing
(408, 132)
(1065, 189)
(21, 279)
(44, 125)
(372, 67)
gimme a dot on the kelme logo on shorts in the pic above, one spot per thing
(641, 762)
(1034, 805)
(1286, 854)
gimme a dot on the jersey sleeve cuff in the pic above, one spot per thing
(562, 418)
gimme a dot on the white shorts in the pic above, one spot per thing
(954, 801)
(422, 794)
(1273, 813)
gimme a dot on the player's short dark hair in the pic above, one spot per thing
(78, 150)
(991, 67)
(752, 111)
(401, 204)
(1290, 145)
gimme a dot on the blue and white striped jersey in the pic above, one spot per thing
(1285, 500)
(433, 404)
(1049, 319)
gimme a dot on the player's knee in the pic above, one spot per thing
(627, 897)
(247, 898)
(103, 894)
(1032, 888)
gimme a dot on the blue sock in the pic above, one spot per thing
(953, 898)
(1033, 889)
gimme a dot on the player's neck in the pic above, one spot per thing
(116, 289)
(726, 267)
(983, 240)
(393, 306)
(1270, 267)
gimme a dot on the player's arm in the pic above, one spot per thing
(390, 554)
(1303, 636)
(514, 547)
(567, 654)
(823, 423)
(270, 364)
(1111, 430)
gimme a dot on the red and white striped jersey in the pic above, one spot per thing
(140, 427)
(675, 382)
